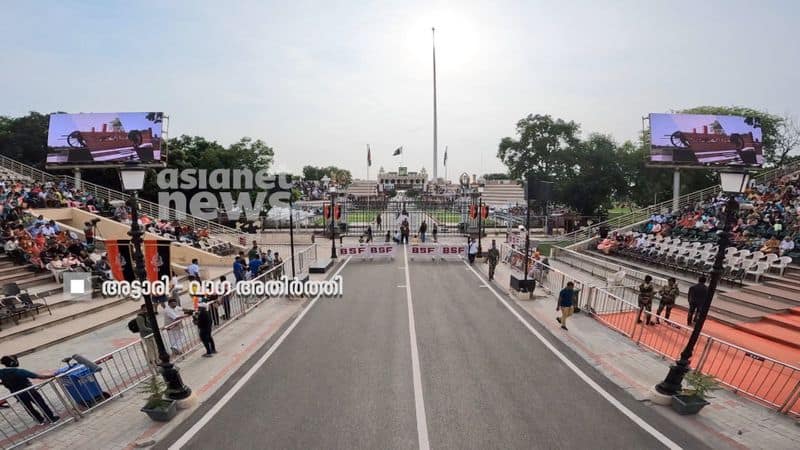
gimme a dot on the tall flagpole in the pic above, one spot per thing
(435, 124)
(445, 164)
(369, 156)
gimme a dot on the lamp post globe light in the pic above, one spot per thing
(732, 183)
(332, 192)
(132, 178)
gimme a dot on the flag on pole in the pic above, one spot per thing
(369, 157)
(398, 151)
(445, 155)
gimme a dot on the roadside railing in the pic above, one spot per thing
(765, 379)
(79, 391)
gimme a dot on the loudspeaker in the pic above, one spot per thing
(544, 191)
(530, 189)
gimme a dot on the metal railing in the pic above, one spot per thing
(658, 208)
(627, 288)
(765, 379)
(79, 391)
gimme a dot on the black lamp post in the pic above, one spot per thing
(291, 228)
(332, 192)
(480, 219)
(732, 183)
(132, 178)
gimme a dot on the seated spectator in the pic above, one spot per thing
(771, 246)
(787, 245)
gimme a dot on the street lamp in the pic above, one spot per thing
(480, 219)
(291, 224)
(332, 192)
(732, 183)
(132, 178)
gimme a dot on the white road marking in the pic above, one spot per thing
(419, 401)
(191, 432)
(401, 285)
(582, 375)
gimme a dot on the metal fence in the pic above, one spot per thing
(78, 391)
(765, 379)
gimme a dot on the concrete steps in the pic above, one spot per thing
(66, 328)
(71, 310)
(763, 303)
(784, 284)
(774, 331)
(771, 292)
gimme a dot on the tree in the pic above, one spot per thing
(788, 140)
(341, 176)
(599, 176)
(25, 138)
(543, 150)
(496, 176)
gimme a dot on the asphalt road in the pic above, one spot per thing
(343, 379)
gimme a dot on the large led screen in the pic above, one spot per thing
(104, 138)
(705, 140)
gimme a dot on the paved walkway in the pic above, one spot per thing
(731, 421)
(344, 378)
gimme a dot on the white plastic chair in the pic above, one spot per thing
(757, 270)
(771, 258)
(781, 263)
(757, 256)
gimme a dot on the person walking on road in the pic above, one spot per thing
(146, 333)
(369, 234)
(668, 295)
(492, 257)
(472, 250)
(698, 295)
(16, 379)
(423, 228)
(204, 326)
(378, 221)
(646, 293)
(435, 232)
(566, 301)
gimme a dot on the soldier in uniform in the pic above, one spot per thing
(493, 256)
(668, 295)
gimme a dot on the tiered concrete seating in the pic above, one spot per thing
(363, 188)
(503, 194)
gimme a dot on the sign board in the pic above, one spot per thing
(424, 251)
(361, 250)
(452, 251)
(381, 250)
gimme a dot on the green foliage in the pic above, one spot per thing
(496, 176)
(25, 138)
(598, 176)
(544, 149)
(341, 176)
(154, 388)
(700, 385)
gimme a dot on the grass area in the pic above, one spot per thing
(616, 212)
(447, 217)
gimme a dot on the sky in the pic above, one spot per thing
(318, 81)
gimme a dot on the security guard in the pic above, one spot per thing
(492, 258)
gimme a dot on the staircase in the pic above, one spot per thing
(363, 188)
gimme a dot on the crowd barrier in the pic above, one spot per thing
(72, 393)
(415, 251)
(764, 379)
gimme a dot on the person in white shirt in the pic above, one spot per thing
(173, 313)
(787, 245)
(472, 250)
